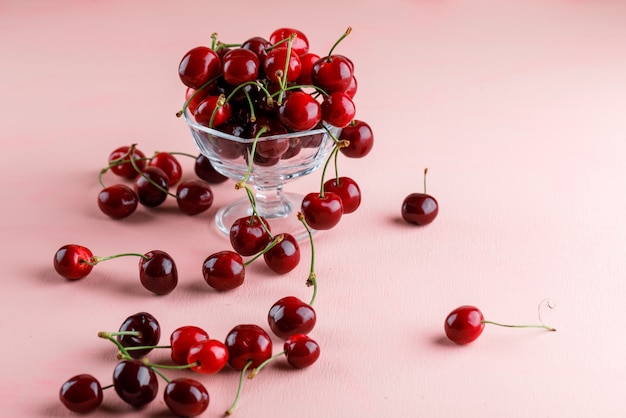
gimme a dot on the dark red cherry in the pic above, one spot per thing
(135, 383)
(300, 112)
(289, 316)
(259, 46)
(170, 166)
(284, 256)
(119, 161)
(338, 109)
(322, 212)
(182, 339)
(464, 324)
(210, 356)
(212, 112)
(194, 196)
(205, 170)
(71, 261)
(347, 189)
(198, 66)
(361, 139)
(301, 351)
(229, 148)
(82, 393)
(147, 192)
(332, 73)
(300, 43)
(240, 65)
(149, 333)
(186, 397)
(248, 236)
(419, 208)
(295, 146)
(307, 60)
(274, 65)
(158, 273)
(224, 270)
(248, 343)
(117, 201)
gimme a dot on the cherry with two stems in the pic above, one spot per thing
(465, 323)
(420, 208)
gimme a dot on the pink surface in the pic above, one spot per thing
(516, 108)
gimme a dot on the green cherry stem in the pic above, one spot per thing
(275, 241)
(484, 321)
(97, 259)
(111, 337)
(239, 387)
(312, 279)
(202, 87)
(131, 151)
(256, 370)
(341, 38)
(118, 161)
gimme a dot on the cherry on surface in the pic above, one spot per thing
(464, 324)
(204, 170)
(117, 201)
(194, 196)
(170, 166)
(210, 356)
(247, 343)
(301, 351)
(148, 329)
(322, 212)
(284, 256)
(186, 397)
(119, 161)
(147, 192)
(73, 261)
(348, 190)
(181, 340)
(81, 393)
(420, 208)
(135, 383)
(290, 316)
(224, 270)
(158, 272)
(360, 137)
(248, 236)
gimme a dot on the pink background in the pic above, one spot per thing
(517, 109)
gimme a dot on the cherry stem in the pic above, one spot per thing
(118, 161)
(330, 157)
(276, 240)
(131, 151)
(96, 259)
(147, 347)
(239, 387)
(256, 370)
(341, 38)
(186, 104)
(519, 326)
(312, 279)
(213, 40)
(425, 172)
(111, 337)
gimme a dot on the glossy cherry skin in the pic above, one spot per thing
(117, 201)
(186, 397)
(126, 169)
(247, 343)
(70, 261)
(82, 393)
(419, 209)
(204, 113)
(158, 273)
(240, 65)
(211, 356)
(338, 109)
(204, 170)
(224, 270)
(300, 43)
(322, 212)
(194, 196)
(274, 65)
(148, 194)
(148, 327)
(301, 351)
(464, 324)
(333, 73)
(170, 166)
(259, 46)
(307, 60)
(284, 256)
(361, 139)
(248, 236)
(182, 339)
(135, 383)
(194, 97)
(198, 66)
(289, 316)
(348, 190)
(300, 112)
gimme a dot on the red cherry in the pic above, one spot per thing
(148, 194)
(240, 65)
(212, 112)
(194, 196)
(300, 112)
(117, 201)
(361, 139)
(259, 46)
(332, 73)
(420, 208)
(301, 351)
(248, 236)
(198, 96)
(170, 166)
(289, 316)
(352, 88)
(182, 339)
(135, 382)
(322, 212)
(125, 169)
(248, 343)
(224, 270)
(205, 170)
(348, 190)
(274, 65)
(284, 256)
(71, 261)
(306, 60)
(300, 43)
(186, 397)
(82, 393)
(211, 356)
(158, 272)
(338, 109)
(148, 328)
(198, 66)
(464, 324)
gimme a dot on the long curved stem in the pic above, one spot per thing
(549, 328)
(238, 395)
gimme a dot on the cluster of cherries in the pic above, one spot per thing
(135, 379)
(152, 179)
